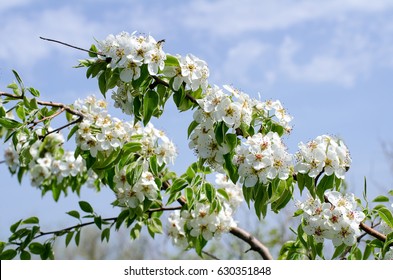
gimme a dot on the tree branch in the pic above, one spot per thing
(372, 232)
(255, 244)
(46, 103)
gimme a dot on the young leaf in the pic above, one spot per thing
(386, 215)
(381, 198)
(8, 254)
(9, 123)
(86, 207)
(178, 184)
(150, 104)
(18, 79)
(31, 220)
(105, 234)
(69, 237)
(98, 221)
(25, 255)
(74, 214)
(77, 237)
(36, 248)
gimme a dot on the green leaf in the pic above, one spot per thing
(381, 198)
(219, 132)
(18, 79)
(231, 140)
(154, 226)
(33, 104)
(223, 193)
(20, 111)
(339, 250)
(189, 196)
(112, 79)
(36, 248)
(15, 226)
(25, 256)
(298, 212)
(210, 192)
(8, 254)
(386, 216)
(105, 234)
(154, 165)
(132, 147)
(74, 214)
(191, 128)
(326, 183)
(171, 61)
(150, 104)
(122, 216)
(178, 184)
(135, 231)
(93, 51)
(86, 207)
(34, 92)
(98, 221)
(31, 220)
(102, 84)
(56, 192)
(72, 132)
(2, 246)
(69, 237)
(231, 168)
(9, 123)
(77, 237)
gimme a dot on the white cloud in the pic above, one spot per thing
(6, 5)
(22, 46)
(243, 62)
(235, 17)
(321, 67)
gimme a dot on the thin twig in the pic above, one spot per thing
(57, 232)
(210, 255)
(34, 123)
(61, 128)
(160, 209)
(71, 46)
(114, 219)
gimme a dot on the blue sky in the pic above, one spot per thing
(329, 62)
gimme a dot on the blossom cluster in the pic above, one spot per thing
(99, 132)
(201, 221)
(48, 159)
(261, 158)
(325, 154)
(336, 219)
(191, 70)
(234, 109)
(132, 196)
(130, 51)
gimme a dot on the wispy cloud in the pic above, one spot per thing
(21, 45)
(6, 5)
(235, 17)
